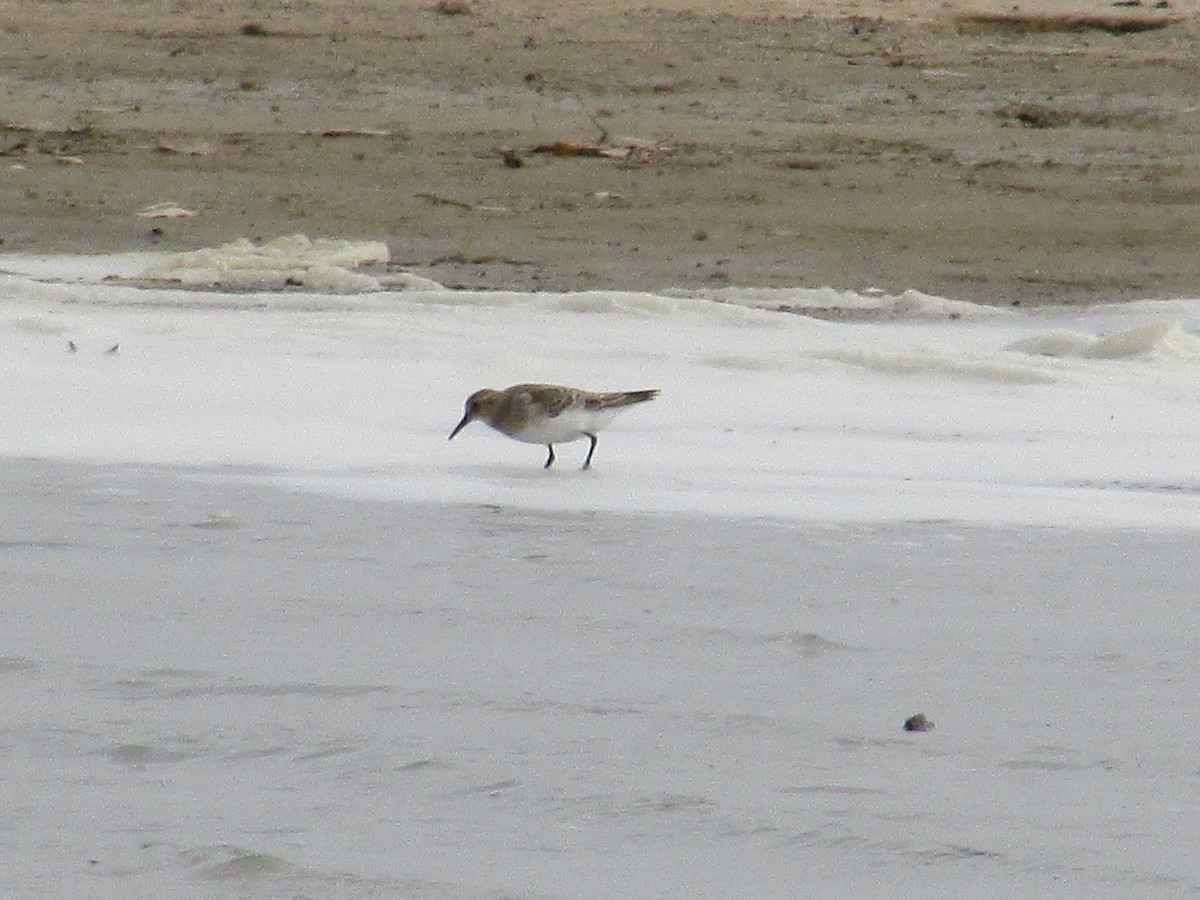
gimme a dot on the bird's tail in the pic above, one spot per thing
(624, 398)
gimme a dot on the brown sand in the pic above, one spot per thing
(1046, 153)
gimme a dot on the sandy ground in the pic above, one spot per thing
(1046, 153)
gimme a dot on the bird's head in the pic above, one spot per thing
(480, 405)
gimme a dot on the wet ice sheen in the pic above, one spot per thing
(358, 698)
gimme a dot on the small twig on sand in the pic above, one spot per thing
(604, 134)
(444, 201)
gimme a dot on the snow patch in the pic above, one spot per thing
(1154, 340)
(830, 303)
(925, 362)
(322, 265)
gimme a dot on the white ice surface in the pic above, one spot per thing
(1076, 418)
(268, 634)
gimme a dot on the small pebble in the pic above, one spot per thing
(918, 723)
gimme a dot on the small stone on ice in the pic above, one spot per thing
(918, 723)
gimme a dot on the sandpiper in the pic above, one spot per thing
(548, 413)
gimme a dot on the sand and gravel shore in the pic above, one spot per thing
(1043, 153)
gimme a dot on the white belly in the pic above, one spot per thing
(570, 425)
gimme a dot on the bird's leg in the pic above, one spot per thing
(549, 459)
(587, 463)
